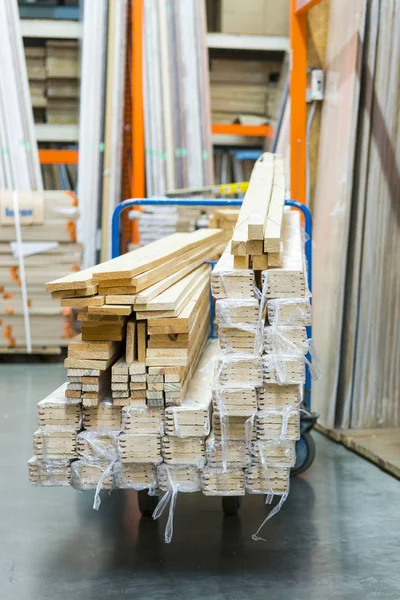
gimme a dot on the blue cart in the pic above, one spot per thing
(305, 447)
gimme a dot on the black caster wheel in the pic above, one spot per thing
(147, 504)
(305, 453)
(231, 505)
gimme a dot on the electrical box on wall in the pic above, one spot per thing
(317, 84)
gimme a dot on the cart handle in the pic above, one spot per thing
(115, 227)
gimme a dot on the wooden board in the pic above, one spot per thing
(141, 341)
(380, 446)
(332, 200)
(183, 322)
(131, 342)
(253, 212)
(273, 226)
(177, 294)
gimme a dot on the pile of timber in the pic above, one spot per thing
(225, 218)
(246, 88)
(177, 413)
(49, 248)
(145, 322)
(53, 72)
(36, 69)
(260, 368)
(256, 241)
(62, 89)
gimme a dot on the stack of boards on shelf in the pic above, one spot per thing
(49, 248)
(53, 72)
(149, 403)
(245, 88)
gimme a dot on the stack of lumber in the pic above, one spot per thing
(260, 369)
(36, 68)
(54, 442)
(184, 414)
(145, 322)
(256, 240)
(244, 88)
(62, 86)
(49, 249)
(225, 218)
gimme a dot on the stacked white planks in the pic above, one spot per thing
(49, 248)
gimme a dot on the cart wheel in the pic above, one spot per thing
(231, 505)
(305, 453)
(147, 504)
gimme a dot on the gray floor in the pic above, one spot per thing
(336, 537)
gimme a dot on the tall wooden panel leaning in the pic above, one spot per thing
(150, 403)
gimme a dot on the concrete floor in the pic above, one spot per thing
(337, 537)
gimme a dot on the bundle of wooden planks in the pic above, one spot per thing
(145, 322)
(53, 72)
(256, 240)
(48, 249)
(244, 88)
(260, 370)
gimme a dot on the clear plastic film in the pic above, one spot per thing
(217, 482)
(278, 424)
(49, 472)
(98, 451)
(228, 282)
(238, 369)
(273, 395)
(294, 312)
(183, 451)
(188, 420)
(143, 420)
(88, 475)
(231, 453)
(55, 442)
(136, 476)
(173, 480)
(274, 453)
(238, 329)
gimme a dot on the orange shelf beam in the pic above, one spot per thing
(138, 156)
(58, 157)
(298, 106)
(245, 130)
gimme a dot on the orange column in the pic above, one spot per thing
(138, 161)
(298, 108)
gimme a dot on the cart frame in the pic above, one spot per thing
(305, 448)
